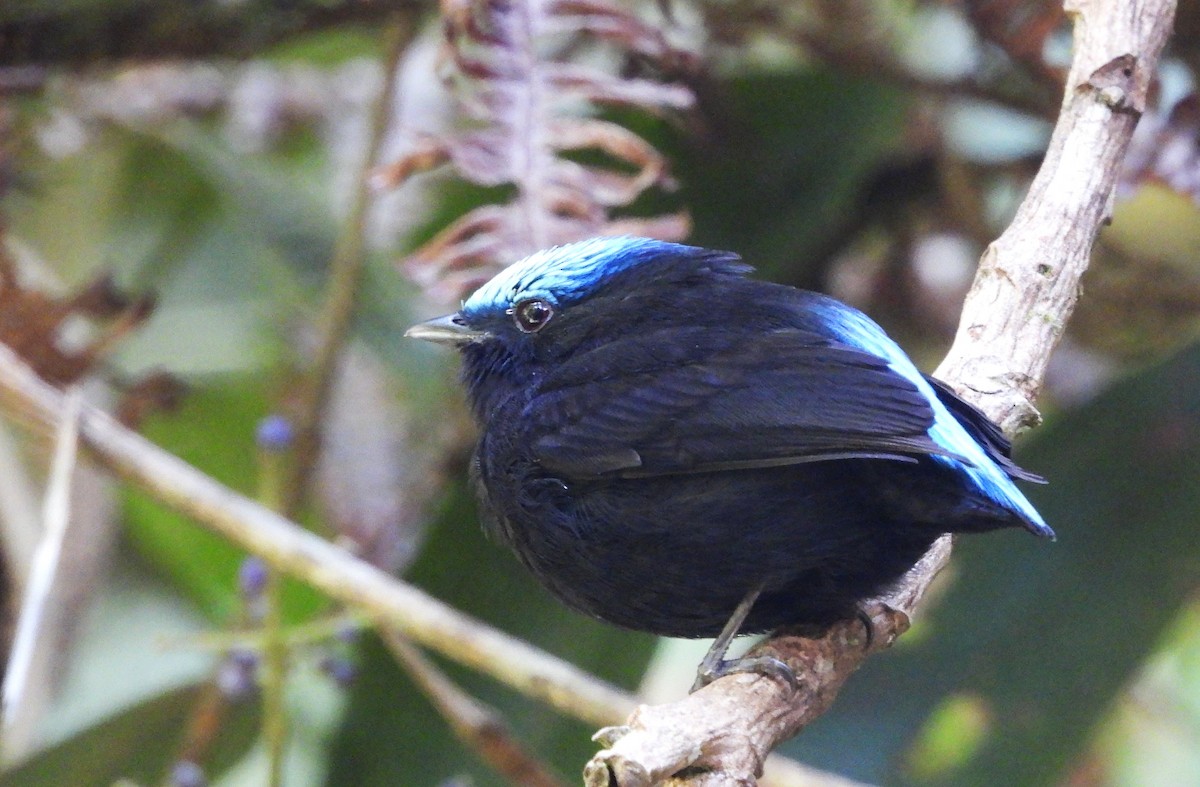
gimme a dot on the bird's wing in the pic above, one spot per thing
(984, 430)
(699, 399)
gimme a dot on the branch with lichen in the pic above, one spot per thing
(1015, 314)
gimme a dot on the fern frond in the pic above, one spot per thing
(533, 111)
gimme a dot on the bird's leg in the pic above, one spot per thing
(714, 664)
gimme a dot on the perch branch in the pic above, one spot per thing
(1024, 292)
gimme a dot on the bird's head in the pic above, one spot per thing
(568, 299)
(555, 300)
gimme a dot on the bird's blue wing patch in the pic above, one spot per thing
(974, 445)
(984, 430)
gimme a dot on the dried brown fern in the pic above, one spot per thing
(529, 111)
(37, 325)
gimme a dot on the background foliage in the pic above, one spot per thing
(209, 155)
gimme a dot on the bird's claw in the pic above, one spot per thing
(762, 665)
(864, 617)
(607, 736)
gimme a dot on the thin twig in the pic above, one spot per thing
(31, 622)
(475, 724)
(275, 650)
(315, 631)
(346, 266)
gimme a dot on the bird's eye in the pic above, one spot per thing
(531, 316)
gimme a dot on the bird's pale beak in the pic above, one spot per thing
(451, 329)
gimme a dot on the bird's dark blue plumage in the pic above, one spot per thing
(660, 435)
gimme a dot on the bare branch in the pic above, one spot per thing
(475, 724)
(1023, 295)
(32, 636)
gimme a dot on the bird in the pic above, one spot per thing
(673, 446)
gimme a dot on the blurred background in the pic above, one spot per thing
(219, 217)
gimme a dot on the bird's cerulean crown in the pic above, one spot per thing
(566, 273)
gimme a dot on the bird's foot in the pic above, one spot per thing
(879, 624)
(607, 736)
(711, 669)
(864, 617)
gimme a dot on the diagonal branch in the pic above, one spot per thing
(32, 632)
(288, 547)
(1024, 292)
